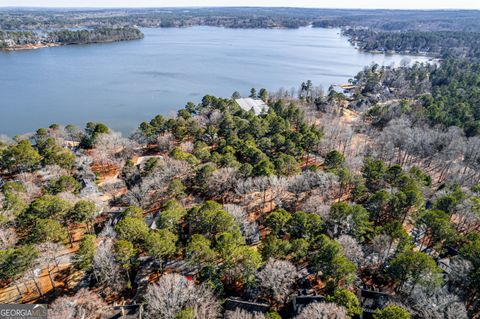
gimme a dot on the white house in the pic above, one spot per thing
(257, 105)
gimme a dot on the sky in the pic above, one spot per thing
(363, 4)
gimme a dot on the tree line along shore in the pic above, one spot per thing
(22, 40)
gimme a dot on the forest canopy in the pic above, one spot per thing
(358, 200)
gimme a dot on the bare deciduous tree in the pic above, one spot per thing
(444, 154)
(173, 293)
(165, 142)
(278, 188)
(8, 237)
(323, 183)
(243, 314)
(52, 172)
(316, 204)
(112, 148)
(214, 117)
(155, 185)
(457, 271)
(222, 182)
(29, 182)
(249, 187)
(276, 279)
(467, 216)
(380, 249)
(237, 212)
(322, 310)
(187, 146)
(68, 197)
(84, 171)
(337, 135)
(106, 270)
(354, 163)
(249, 228)
(351, 249)
(85, 305)
(437, 305)
(31, 275)
(48, 258)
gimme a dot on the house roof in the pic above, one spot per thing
(127, 311)
(257, 105)
(305, 300)
(232, 304)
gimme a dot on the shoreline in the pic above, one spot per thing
(23, 40)
(25, 47)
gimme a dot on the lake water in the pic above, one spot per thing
(125, 83)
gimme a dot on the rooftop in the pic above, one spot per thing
(257, 105)
(233, 304)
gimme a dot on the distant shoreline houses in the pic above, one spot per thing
(345, 89)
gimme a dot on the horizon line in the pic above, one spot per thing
(236, 6)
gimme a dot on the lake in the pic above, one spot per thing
(125, 83)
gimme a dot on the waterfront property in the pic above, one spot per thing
(124, 83)
(255, 105)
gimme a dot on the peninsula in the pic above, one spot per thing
(25, 40)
